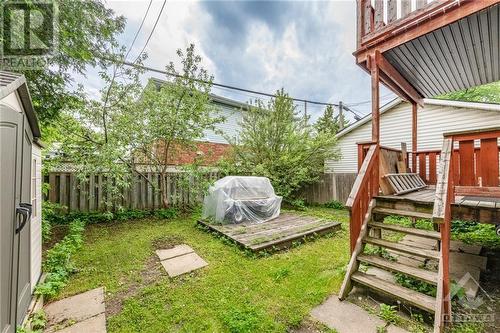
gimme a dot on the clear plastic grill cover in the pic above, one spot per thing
(237, 199)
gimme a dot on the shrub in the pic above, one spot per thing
(475, 233)
(334, 204)
(167, 213)
(58, 264)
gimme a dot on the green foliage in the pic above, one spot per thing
(277, 142)
(86, 35)
(49, 211)
(467, 328)
(172, 115)
(475, 233)
(166, 213)
(103, 217)
(379, 251)
(298, 204)
(39, 320)
(488, 93)
(334, 204)
(388, 313)
(328, 123)
(415, 284)
(95, 134)
(58, 263)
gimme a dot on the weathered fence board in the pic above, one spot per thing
(331, 186)
(91, 195)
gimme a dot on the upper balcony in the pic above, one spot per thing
(437, 46)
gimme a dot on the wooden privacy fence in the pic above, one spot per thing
(91, 194)
(331, 186)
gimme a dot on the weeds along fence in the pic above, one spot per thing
(86, 195)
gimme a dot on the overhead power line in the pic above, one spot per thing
(156, 70)
(138, 30)
(152, 31)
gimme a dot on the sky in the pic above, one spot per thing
(304, 47)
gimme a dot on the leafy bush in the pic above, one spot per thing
(298, 204)
(167, 213)
(335, 204)
(58, 264)
(475, 233)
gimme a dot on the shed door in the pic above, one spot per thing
(11, 123)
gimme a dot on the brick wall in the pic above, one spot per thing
(209, 153)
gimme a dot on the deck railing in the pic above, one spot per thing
(364, 189)
(378, 19)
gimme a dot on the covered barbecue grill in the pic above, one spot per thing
(237, 199)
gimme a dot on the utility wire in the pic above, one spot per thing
(151, 69)
(152, 31)
(138, 30)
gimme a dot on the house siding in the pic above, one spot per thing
(396, 124)
(229, 128)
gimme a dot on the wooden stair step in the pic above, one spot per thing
(428, 254)
(409, 213)
(409, 296)
(394, 266)
(411, 231)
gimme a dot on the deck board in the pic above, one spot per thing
(481, 209)
(278, 233)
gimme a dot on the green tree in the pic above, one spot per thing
(487, 93)
(87, 36)
(329, 123)
(95, 133)
(277, 142)
(171, 115)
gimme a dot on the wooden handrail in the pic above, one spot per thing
(442, 215)
(362, 178)
(365, 187)
(443, 181)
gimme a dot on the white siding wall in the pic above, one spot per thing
(395, 127)
(36, 218)
(229, 128)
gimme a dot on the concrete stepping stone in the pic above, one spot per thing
(180, 260)
(174, 252)
(77, 310)
(346, 317)
(95, 324)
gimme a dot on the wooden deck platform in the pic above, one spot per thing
(276, 234)
(482, 209)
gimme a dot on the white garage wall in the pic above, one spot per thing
(436, 118)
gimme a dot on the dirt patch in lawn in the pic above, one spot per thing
(151, 272)
(167, 242)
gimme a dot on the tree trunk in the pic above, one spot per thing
(163, 190)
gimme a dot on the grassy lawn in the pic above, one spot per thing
(236, 292)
